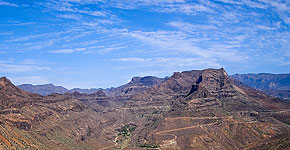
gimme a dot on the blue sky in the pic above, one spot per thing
(104, 43)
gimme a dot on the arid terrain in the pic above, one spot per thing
(191, 110)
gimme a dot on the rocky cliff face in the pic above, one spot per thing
(192, 107)
(277, 85)
(199, 109)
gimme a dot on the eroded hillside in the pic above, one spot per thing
(199, 109)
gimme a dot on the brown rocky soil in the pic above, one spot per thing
(190, 110)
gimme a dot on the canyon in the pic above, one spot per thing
(198, 109)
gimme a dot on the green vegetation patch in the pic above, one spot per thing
(127, 129)
(124, 135)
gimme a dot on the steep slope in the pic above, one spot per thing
(31, 121)
(207, 110)
(277, 85)
(13, 97)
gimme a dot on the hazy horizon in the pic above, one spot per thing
(130, 80)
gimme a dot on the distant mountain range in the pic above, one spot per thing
(47, 89)
(137, 84)
(277, 85)
(44, 89)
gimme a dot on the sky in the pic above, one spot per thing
(104, 43)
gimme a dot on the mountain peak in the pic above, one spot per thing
(3, 78)
(12, 96)
(4, 81)
(6, 84)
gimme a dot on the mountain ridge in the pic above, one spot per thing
(136, 83)
(270, 88)
(198, 109)
(277, 85)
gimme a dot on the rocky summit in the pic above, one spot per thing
(191, 110)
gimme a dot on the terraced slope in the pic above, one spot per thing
(207, 110)
(200, 109)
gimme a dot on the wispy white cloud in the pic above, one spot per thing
(188, 27)
(189, 9)
(26, 38)
(11, 67)
(28, 62)
(47, 35)
(254, 4)
(62, 51)
(74, 10)
(279, 4)
(79, 11)
(87, 22)
(3, 3)
(67, 51)
(263, 27)
(249, 3)
(282, 7)
(229, 1)
(183, 43)
(131, 59)
(101, 49)
(110, 49)
(127, 4)
(16, 23)
(169, 64)
(178, 6)
(284, 62)
(70, 16)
